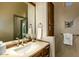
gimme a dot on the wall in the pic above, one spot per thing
(31, 16)
(42, 16)
(61, 14)
(7, 10)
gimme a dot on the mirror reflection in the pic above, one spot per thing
(15, 18)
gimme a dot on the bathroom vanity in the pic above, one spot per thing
(29, 49)
(43, 52)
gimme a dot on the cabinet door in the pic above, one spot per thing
(50, 19)
(46, 52)
(38, 54)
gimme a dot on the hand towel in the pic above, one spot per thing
(68, 38)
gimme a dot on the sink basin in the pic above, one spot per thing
(23, 50)
(27, 48)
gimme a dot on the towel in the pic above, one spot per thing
(30, 31)
(39, 33)
(68, 38)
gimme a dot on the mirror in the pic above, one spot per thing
(15, 18)
(21, 24)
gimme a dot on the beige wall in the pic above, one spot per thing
(61, 14)
(7, 10)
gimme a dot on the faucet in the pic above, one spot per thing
(22, 43)
(18, 41)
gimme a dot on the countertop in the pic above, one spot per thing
(41, 46)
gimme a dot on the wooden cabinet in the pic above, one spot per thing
(50, 19)
(43, 53)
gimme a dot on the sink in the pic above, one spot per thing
(27, 48)
(23, 50)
